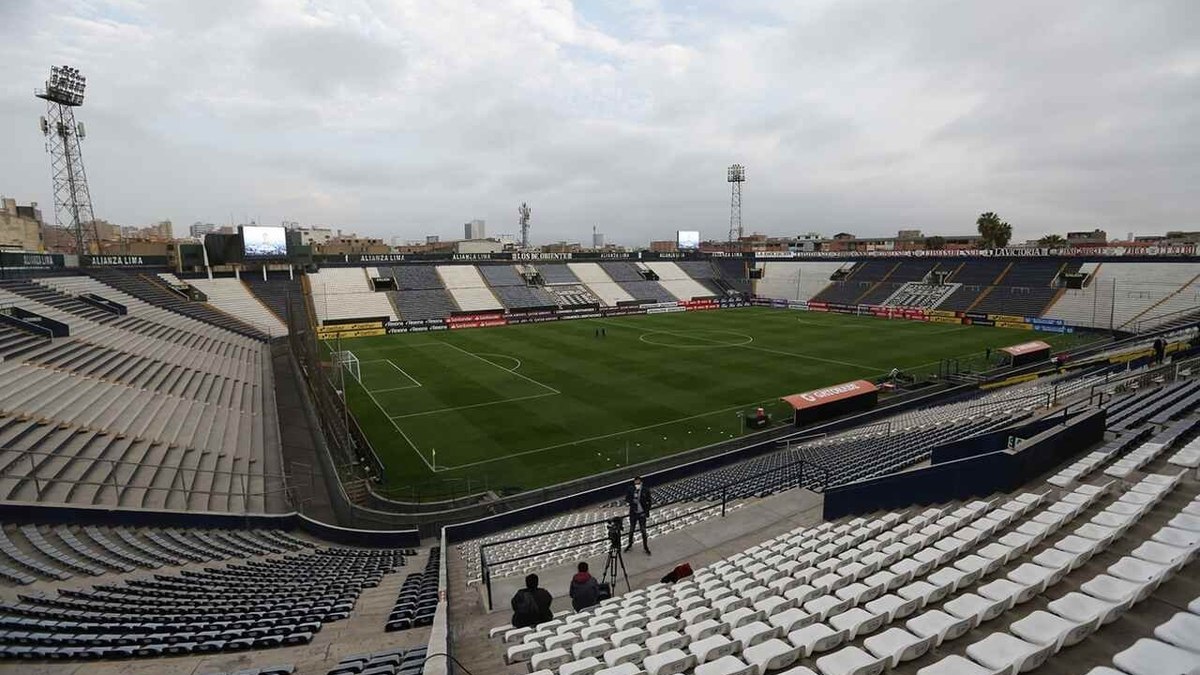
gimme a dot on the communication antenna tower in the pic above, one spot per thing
(72, 200)
(524, 211)
(735, 176)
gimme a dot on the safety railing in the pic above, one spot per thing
(797, 473)
(184, 481)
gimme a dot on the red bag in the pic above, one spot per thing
(681, 571)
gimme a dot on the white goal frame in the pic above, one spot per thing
(348, 361)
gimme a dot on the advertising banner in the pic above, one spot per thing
(1007, 318)
(792, 304)
(332, 330)
(1037, 321)
(344, 334)
(1012, 324)
(947, 319)
(124, 260)
(21, 259)
(942, 312)
(694, 305)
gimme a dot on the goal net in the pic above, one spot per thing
(348, 361)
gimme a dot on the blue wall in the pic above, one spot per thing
(975, 476)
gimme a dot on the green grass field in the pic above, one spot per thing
(533, 405)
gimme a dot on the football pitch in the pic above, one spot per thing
(520, 407)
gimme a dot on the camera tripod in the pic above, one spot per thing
(615, 561)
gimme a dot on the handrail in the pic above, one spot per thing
(1137, 325)
(486, 565)
(178, 482)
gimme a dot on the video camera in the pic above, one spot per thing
(615, 526)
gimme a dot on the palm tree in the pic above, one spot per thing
(1052, 241)
(995, 232)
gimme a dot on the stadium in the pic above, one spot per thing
(347, 467)
(289, 450)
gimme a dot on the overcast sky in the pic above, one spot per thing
(410, 118)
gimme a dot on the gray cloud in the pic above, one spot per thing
(404, 118)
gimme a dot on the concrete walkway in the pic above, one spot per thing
(699, 545)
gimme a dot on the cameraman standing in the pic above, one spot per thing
(639, 500)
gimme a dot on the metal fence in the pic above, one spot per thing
(185, 480)
(798, 473)
(354, 457)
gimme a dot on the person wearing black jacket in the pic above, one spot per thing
(639, 500)
(585, 590)
(531, 605)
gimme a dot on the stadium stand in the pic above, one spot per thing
(467, 287)
(706, 273)
(556, 273)
(14, 342)
(501, 275)
(733, 275)
(145, 288)
(976, 277)
(631, 280)
(274, 292)
(678, 283)
(859, 281)
(882, 448)
(648, 291)
(418, 597)
(345, 294)
(572, 295)
(511, 288)
(588, 536)
(1026, 290)
(120, 412)
(525, 297)
(213, 591)
(920, 294)
(434, 303)
(1118, 295)
(906, 271)
(600, 283)
(232, 297)
(798, 281)
(985, 586)
(416, 277)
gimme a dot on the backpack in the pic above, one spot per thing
(524, 605)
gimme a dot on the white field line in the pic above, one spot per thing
(860, 366)
(603, 436)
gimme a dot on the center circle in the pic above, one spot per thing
(698, 339)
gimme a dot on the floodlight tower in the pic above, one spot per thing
(72, 201)
(735, 176)
(524, 211)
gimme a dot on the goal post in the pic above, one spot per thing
(348, 361)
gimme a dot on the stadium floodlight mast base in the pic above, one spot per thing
(523, 211)
(63, 93)
(735, 176)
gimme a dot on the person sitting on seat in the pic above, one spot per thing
(585, 590)
(531, 605)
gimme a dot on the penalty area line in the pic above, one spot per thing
(577, 441)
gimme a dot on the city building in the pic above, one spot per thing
(478, 246)
(20, 226)
(199, 229)
(316, 235)
(474, 230)
(1086, 239)
(350, 244)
